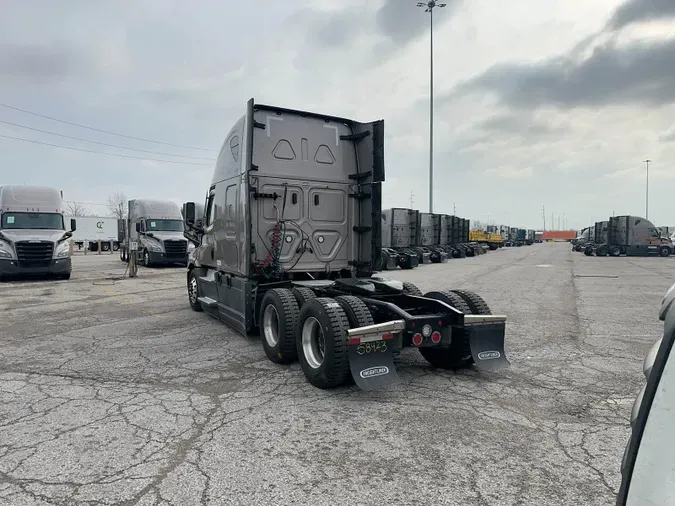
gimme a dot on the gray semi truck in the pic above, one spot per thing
(628, 235)
(154, 231)
(289, 245)
(33, 235)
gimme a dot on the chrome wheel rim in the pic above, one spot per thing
(313, 342)
(192, 289)
(271, 325)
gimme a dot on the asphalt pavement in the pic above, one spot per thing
(112, 391)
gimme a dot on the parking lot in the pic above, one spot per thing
(112, 391)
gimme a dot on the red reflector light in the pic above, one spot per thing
(436, 337)
(440, 323)
(387, 337)
(354, 340)
(417, 339)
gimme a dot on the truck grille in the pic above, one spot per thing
(175, 249)
(34, 254)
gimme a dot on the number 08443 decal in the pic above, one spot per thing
(377, 346)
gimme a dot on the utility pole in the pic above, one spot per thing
(543, 215)
(454, 209)
(647, 191)
(552, 222)
(411, 199)
(558, 222)
(429, 7)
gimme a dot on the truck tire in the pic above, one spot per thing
(602, 251)
(193, 289)
(302, 294)
(322, 343)
(411, 289)
(64, 277)
(278, 319)
(116, 246)
(475, 302)
(458, 354)
(358, 314)
(588, 251)
(664, 251)
(614, 251)
(146, 258)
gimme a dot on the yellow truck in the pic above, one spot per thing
(494, 241)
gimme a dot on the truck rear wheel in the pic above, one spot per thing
(602, 251)
(458, 354)
(302, 294)
(193, 289)
(278, 319)
(411, 289)
(322, 343)
(358, 314)
(614, 251)
(475, 302)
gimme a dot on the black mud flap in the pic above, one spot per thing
(487, 347)
(375, 369)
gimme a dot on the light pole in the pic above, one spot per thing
(647, 191)
(429, 7)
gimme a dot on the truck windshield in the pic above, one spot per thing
(164, 225)
(33, 221)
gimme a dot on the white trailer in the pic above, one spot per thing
(92, 229)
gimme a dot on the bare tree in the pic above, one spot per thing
(117, 205)
(76, 209)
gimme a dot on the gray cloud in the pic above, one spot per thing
(635, 11)
(402, 21)
(511, 124)
(399, 21)
(340, 29)
(642, 74)
(36, 61)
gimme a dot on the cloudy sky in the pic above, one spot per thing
(549, 103)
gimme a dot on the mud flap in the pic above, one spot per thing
(487, 347)
(373, 370)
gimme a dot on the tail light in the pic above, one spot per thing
(436, 337)
(417, 339)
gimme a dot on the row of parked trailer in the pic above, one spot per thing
(624, 235)
(411, 237)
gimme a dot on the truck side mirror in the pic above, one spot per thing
(73, 224)
(138, 228)
(189, 212)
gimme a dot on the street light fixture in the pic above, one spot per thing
(647, 191)
(429, 7)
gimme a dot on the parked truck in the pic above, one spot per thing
(428, 235)
(399, 239)
(92, 229)
(584, 236)
(630, 236)
(154, 231)
(290, 242)
(598, 243)
(33, 235)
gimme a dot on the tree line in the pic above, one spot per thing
(116, 206)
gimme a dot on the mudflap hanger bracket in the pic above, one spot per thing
(371, 357)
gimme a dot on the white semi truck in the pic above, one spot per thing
(92, 229)
(154, 230)
(33, 235)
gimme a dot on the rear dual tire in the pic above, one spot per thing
(458, 354)
(297, 325)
